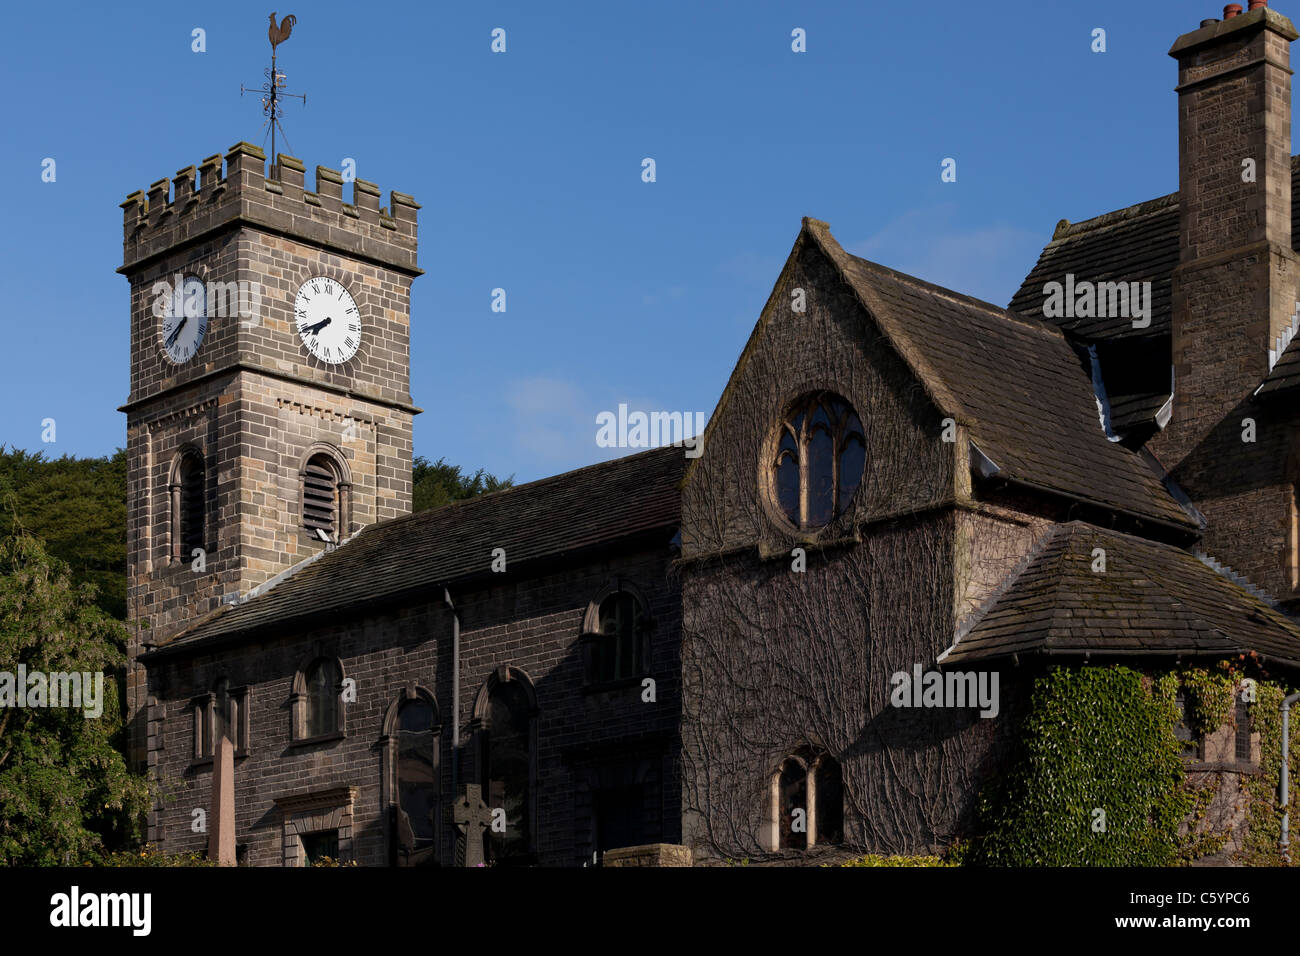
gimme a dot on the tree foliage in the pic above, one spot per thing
(439, 483)
(77, 506)
(66, 795)
(1097, 781)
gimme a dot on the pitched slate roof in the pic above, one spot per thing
(1285, 373)
(1136, 380)
(1152, 599)
(1015, 382)
(549, 518)
(1135, 244)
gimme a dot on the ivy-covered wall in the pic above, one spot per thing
(1099, 777)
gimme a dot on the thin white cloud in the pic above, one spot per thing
(988, 262)
(554, 421)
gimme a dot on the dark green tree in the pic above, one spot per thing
(66, 794)
(77, 506)
(439, 483)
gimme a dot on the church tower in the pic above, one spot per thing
(270, 411)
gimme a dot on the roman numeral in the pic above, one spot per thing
(302, 313)
(315, 288)
(351, 311)
(349, 343)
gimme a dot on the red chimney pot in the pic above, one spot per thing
(1231, 10)
(1256, 4)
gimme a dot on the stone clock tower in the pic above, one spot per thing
(270, 409)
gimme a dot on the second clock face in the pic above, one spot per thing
(185, 320)
(328, 320)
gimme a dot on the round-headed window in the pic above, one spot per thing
(820, 455)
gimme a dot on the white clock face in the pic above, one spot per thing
(185, 321)
(328, 320)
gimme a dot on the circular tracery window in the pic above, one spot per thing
(820, 455)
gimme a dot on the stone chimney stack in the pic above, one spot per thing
(1234, 290)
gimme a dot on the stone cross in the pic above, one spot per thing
(221, 818)
(472, 818)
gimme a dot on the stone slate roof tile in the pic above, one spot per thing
(1285, 373)
(1015, 382)
(1135, 244)
(1152, 599)
(549, 518)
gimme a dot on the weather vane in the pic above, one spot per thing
(273, 89)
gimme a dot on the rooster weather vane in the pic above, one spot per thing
(272, 89)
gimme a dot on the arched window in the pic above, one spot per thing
(828, 789)
(320, 495)
(617, 654)
(188, 505)
(820, 455)
(315, 705)
(223, 710)
(322, 699)
(507, 770)
(411, 731)
(792, 805)
(807, 801)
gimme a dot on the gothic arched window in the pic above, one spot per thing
(507, 759)
(616, 653)
(223, 710)
(807, 801)
(411, 731)
(187, 505)
(828, 799)
(316, 709)
(819, 459)
(322, 699)
(792, 805)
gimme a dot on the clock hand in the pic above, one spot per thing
(176, 331)
(318, 326)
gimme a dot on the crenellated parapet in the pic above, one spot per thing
(197, 203)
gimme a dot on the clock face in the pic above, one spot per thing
(185, 321)
(328, 320)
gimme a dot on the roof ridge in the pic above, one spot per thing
(269, 584)
(934, 384)
(972, 620)
(1236, 578)
(535, 483)
(998, 311)
(1066, 229)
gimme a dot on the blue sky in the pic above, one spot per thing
(528, 168)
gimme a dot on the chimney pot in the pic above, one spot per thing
(1256, 4)
(1231, 10)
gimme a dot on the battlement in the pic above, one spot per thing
(197, 203)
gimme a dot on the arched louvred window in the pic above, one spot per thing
(820, 456)
(506, 769)
(188, 506)
(320, 495)
(828, 792)
(792, 805)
